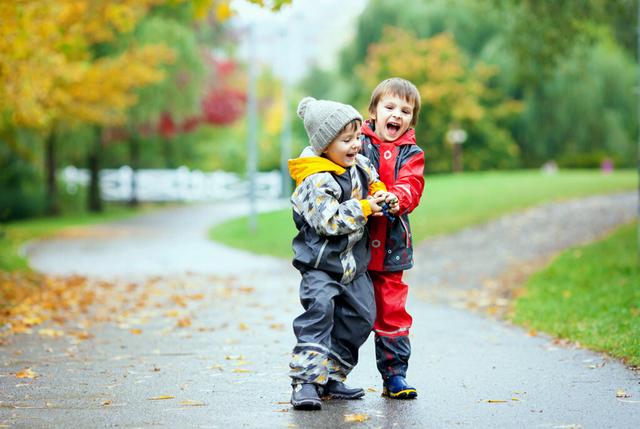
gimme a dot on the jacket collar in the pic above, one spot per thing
(409, 136)
(309, 163)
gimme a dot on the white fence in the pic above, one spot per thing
(180, 184)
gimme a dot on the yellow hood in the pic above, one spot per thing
(301, 168)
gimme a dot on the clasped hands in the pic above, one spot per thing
(379, 198)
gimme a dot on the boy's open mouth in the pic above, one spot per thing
(393, 127)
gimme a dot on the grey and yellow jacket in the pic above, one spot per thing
(330, 211)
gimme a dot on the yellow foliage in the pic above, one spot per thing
(46, 69)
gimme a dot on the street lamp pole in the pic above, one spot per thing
(456, 136)
(252, 131)
(285, 138)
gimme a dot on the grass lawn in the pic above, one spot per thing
(449, 203)
(589, 294)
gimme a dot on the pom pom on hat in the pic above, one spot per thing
(302, 106)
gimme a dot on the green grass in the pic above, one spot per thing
(14, 234)
(589, 294)
(449, 203)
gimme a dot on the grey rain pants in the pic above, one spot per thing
(336, 321)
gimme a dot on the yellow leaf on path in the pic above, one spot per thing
(356, 418)
(161, 397)
(246, 289)
(26, 373)
(494, 401)
(185, 322)
(372, 389)
(136, 331)
(239, 357)
(243, 326)
(620, 393)
(241, 370)
(284, 410)
(105, 403)
(189, 403)
(277, 326)
(50, 333)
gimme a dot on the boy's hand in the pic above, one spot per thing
(393, 202)
(376, 204)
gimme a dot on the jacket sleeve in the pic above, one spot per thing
(375, 184)
(317, 200)
(410, 183)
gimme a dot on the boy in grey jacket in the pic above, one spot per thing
(331, 204)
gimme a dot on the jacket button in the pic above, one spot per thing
(375, 243)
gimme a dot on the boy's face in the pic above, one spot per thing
(392, 117)
(343, 149)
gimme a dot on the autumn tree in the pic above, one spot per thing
(49, 78)
(453, 95)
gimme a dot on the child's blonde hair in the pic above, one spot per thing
(401, 88)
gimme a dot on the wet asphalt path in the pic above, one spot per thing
(228, 367)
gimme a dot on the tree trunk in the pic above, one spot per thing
(134, 160)
(53, 203)
(94, 201)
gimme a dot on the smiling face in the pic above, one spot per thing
(343, 149)
(392, 117)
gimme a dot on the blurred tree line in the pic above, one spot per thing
(156, 84)
(529, 80)
(106, 83)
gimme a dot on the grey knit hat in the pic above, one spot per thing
(324, 119)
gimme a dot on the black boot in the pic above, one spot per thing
(305, 397)
(338, 390)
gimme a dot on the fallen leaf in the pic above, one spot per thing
(284, 410)
(26, 373)
(494, 401)
(185, 322)
(161, 397)
(105, 403)
(356, 418)
(620, 393)
(136, 331)
(189, 403)
(50, 333)
(239, 357)
(241, 370)
(243, 326)
(277, 326)
(372, 389)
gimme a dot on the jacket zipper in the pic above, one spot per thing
(406, 231)
(326, 241)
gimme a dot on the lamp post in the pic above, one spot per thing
(252, 131)
(456, 136)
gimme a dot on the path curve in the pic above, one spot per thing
(228, 369)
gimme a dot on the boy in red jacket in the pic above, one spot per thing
(389, 142)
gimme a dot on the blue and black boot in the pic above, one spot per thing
(305, 397)
(338, 390)
(396, 387)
